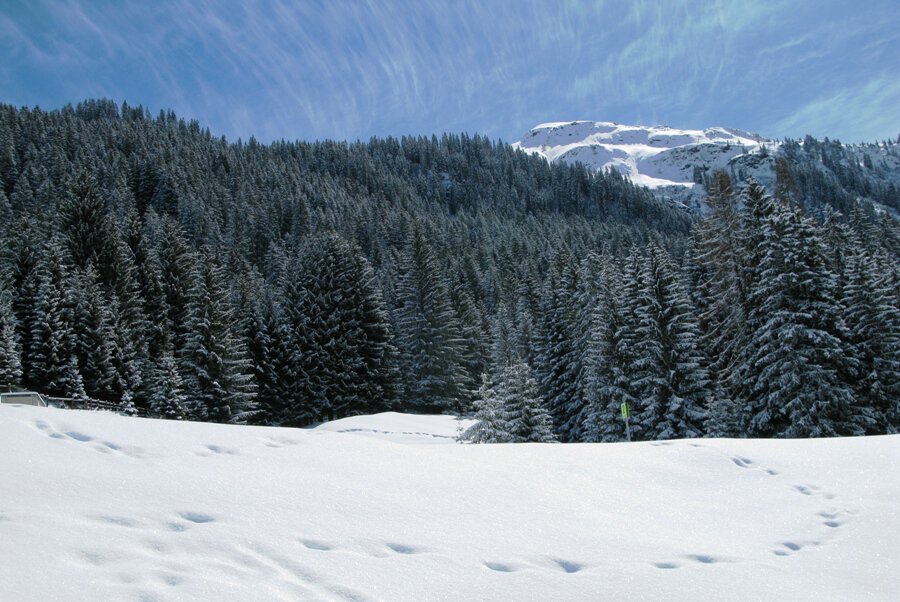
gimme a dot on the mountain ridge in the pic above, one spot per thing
(676, 163)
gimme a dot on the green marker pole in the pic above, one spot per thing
(626, 412)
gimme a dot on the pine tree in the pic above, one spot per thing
(528, 421)
(671, 380)
(491, 425)
(262, 330)
(348, 364)
(94, 337)
(89, 234)
(126, 405)
(717, 266)
(69, 383)
(474, 353)
(52, 344)
(429, 333)
(790, 378)
(217, 380)
(559, 360)
(165, 392)
(873, 320)
(174, 262)
(606, 379)
(10, 353)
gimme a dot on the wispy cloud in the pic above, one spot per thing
(854, 114)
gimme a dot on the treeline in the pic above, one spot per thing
(148, 263)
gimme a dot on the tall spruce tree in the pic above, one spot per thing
(348, 361)
(559, 359)
(791, 376)
(607, 379)
(52, 365)
(527, 419)
(10, 351)
(217, 379)
(492, 425)
(165, 392)
(435, 378)
(672, 393)
(873, 319)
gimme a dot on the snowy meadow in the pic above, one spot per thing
(96, 506)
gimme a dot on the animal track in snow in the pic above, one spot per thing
(790, 547)
(103, 447)
(277, 441)
(568, 566)
(211, 449)
(704, 558)
(666, 565)
(317, 545)
(501, 567)
(814, 490)
(196, 517)
(118, 521)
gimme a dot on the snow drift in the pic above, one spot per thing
(95, 506)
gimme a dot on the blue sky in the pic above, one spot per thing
(351, 69)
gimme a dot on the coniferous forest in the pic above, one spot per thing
(145, 262)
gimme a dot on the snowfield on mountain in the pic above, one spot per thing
(652, 156)
(95, 506)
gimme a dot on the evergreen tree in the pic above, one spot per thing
(527, 419)
(94, 337)
(348, 363)
(606, 380)
(175, 271)
(429, 333)
(52, 364)
(671, 383)
(873, 320)
(126, 405)
(217, 378)
(492, 426)
(717, 266)
(559, 359)
(10, 353)
(262, 330)
(790, 378)
(165, 392)
(89, 234)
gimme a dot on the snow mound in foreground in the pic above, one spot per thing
(94, 506)
(401, 428)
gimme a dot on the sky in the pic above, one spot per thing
(353, 69)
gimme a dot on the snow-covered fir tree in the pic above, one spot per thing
(10, 352)
(671, 385)
(164, 387)
(491, 425)
(606, 380)
(527, 419)
(790, 378)
(435, 377)
(217, 380)
(558, 363)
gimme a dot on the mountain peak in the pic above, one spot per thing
(654, 156)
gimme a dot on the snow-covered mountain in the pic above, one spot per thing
(670, 161)
(674, 163)
(95, 506)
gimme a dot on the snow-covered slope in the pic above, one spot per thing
(99, 507)
(659, 157)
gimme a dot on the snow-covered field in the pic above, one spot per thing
(94, 506)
